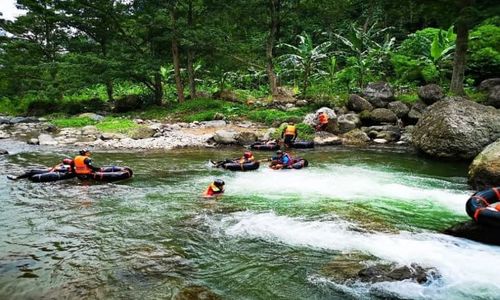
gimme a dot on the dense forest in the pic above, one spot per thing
(64, 52)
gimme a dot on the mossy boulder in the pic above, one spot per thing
(456, 128)
(484, 171)
(141, 132)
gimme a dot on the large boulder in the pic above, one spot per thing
(348, 122)
(415, 113)
(430, 93)
(246, 137)
(46, 140)
(379, 93)
(4, 135)
(494, 97)
(3, 152)
(456, 128)
(323, 138)
(484, 171)
(358, 104)
(313, 118)
(476, 232)
(398, 108)
(487, 84)
(378, 116)
(355, 137)
(141, 132)
(225, 137)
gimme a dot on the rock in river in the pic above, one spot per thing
(476, 232)
(456, 128)
(484, 172)
(3, 152)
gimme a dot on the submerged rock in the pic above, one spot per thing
(196, 292)
(476, 232)
(3, 152)
(392, 272)
(484, 171)
(456, 128)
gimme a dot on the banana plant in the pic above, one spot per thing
(305, 58)
(443, 45)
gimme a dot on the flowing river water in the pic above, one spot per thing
(274, 234)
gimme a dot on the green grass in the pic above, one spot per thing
(305, 132)
(408, 98)
(117, 125)
(72, 122)
(274, 116)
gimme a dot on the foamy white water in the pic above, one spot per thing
(467, 268)
(350, 184)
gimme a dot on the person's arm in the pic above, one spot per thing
(88, 162)
(283, 132)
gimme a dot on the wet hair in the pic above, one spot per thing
(219, 182)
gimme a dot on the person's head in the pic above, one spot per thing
(67, 161)
(279, 153)
(291, 123)
(85, 152)
(219, 183)
(247, 154)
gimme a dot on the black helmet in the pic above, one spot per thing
(219, 182)
(83, 151)
(279, 152)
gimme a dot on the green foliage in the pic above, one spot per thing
(484, 54)
(275, 117)
(118, 125)
(443, 44)
(305, 132)
(408, 98)
(72, 122)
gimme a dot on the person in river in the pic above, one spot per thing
(246, 158)
(216, 188)
(282, 160)
(322, 121)
(66, 166)
(289, 134)
(83, 165)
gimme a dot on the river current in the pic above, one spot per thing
(273, 235)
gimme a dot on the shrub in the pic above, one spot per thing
(484, 51)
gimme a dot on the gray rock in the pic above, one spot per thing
(476, 232)
(142, 132)
(456, 128)
(348, 122)
(225, 137)
(90, 130)
(46, 140)
(33, 141)
(398, 108)
(415, 113)
(4, 135)
(92, 116)
(484, 171)
(379, 94)
(355, 137)
(301, 103)
(106, 136)
(213, 124)
(358, 104)
(246, 137)
(487, 84)
(5, 120)
(380, 141)
(3, 152)
(385, 273)
(324, 138)
(430, 93)
(268, 134)
(18, 120)
(378, 116)
(494, 97)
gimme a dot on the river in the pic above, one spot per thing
(274, 234)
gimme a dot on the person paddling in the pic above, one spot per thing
(216, 188)
(83, 165)
(281, 161)
(66, 166)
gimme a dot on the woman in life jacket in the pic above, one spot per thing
(83, 165)
(246, 158)
(216, 188)
(66, 166)
(289, 134)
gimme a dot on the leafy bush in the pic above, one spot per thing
(72, 122)
(276, 117)
(484, 51)
(119, 125)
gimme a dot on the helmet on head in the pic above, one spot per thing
(247, 154)
(84, 151)
(291, 123)
(219, 183)
(67, 161)
(279, 152)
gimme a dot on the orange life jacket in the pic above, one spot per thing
(212, 189)
(80, 167)
(246, 160)
(290, 130)
(323, 119)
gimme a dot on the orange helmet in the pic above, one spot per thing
(67, 161)
(247, 154)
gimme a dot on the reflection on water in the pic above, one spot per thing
(269, 236)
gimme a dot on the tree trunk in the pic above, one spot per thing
(457, 79)
(176, 59)
(158, 89)
(109, 89)
(190, 56)
(271, 39)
